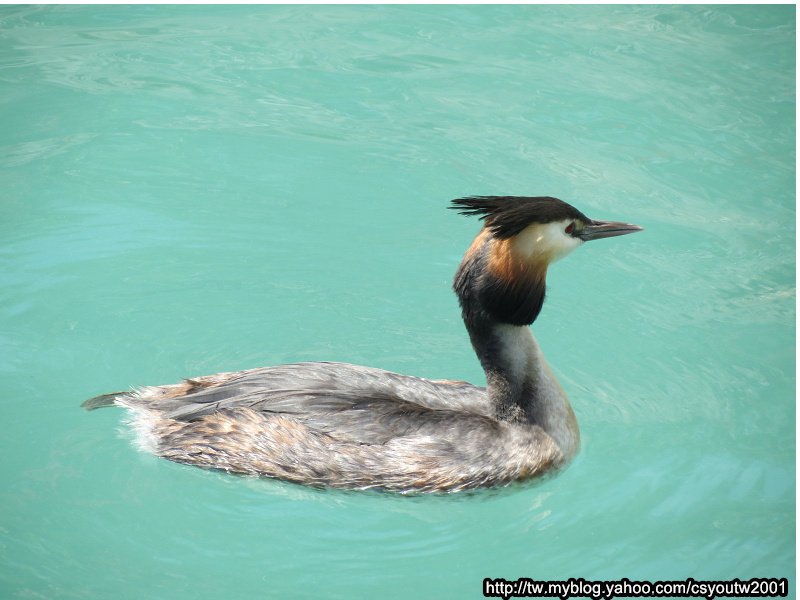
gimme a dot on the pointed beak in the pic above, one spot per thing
(597, 230)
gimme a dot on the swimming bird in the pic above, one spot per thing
(336, 425)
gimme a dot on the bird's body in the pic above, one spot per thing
(346, 426)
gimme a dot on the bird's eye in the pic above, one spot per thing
(570, 228)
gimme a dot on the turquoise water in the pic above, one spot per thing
(188, 190)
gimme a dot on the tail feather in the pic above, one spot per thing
(102, 401)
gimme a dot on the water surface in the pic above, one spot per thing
(188, 190)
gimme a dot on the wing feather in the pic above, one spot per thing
(349, 402)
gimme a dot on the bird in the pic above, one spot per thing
(336, 425)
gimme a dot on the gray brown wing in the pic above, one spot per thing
(349, 402)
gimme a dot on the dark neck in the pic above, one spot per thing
(521, 387)
(499, 300)
(508, 354)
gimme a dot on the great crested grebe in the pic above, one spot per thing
(338, 425)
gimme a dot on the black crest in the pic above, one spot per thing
(506, 216)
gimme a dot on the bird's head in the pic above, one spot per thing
(503, 272)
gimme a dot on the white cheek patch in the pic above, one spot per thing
(548, 241)
(560, 242)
